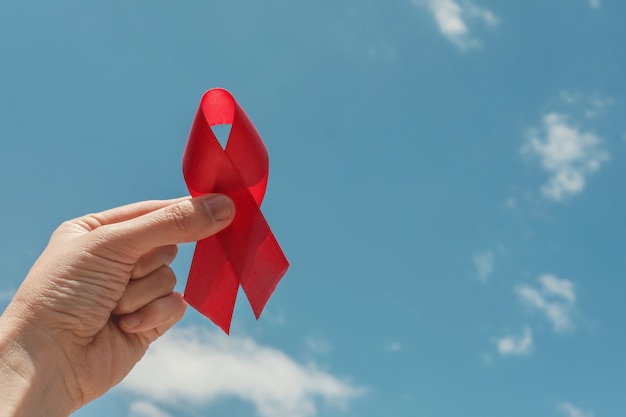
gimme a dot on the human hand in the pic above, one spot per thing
(96, 298)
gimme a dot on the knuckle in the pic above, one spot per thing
(176, 215)
(107, 243)
(66, 225)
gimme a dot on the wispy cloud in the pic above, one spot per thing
(567, 153)
(598, 107)
(555, 299)
(7, 295)
(142, 408)
(591, 106)
(559, 287)
(516, 345)
(595, 3)
(571, 411)
(485, 263)
(393, 347)
(198, 366)
(318, 345)
(456, 20)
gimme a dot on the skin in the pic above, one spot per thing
(96, 298)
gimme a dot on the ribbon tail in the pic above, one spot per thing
(212, 284)
(268, 267)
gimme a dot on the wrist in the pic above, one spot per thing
(32, 380)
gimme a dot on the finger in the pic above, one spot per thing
(153, 260)
(141, 292)
(160, 312)
(183, 221)
(151, 335)
(93, 221)
(130, 211)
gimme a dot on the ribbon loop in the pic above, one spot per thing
(246, 253)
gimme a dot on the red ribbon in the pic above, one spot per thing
(246, 253)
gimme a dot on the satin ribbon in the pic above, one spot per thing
(246, 253)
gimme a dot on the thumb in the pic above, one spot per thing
(183, 221)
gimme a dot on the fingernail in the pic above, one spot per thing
(130, 322)
(219, 206)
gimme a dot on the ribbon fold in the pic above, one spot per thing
(246, 253)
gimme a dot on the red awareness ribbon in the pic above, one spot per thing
(246, 253)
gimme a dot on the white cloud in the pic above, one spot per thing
(143, 408)
(568, 154)
(555, 299)
(560, 287)
(485, 264)
(516, 345)
(571, 411)
(454, 19)
(198, 366)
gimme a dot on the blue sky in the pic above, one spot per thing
(446, 179)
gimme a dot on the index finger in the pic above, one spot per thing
(186, 220)
(130, 211)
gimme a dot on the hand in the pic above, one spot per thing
(100, 293)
